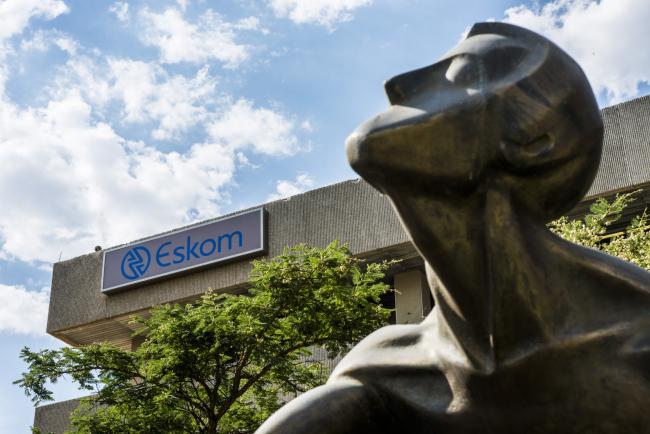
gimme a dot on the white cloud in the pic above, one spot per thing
(37, 42)
(23, 311)
(67, 44)
(210, 38)
(120, 10)
(86, 75)
(265, 131)
(15, 14)
(71, 182)
(175, 102)
(145, 91)
(14, 18)
(306, 126)
(74, 183)
(243, 161)
(134, 83)
(324, 12)
(250, 23)
(285, 188)
(180, 103)
(183, 4)
(608, 38)
(42, 40)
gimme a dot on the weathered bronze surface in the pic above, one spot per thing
(530, 333)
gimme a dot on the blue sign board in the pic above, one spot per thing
(234, 237)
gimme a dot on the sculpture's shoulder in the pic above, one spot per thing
(622, 343)
(392, 350)
(593, 290)
(402, 363)
(599, 272)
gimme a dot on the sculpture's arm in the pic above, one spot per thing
(335, 408)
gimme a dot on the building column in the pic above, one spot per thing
(412, 297)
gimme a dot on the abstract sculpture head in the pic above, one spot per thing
(505, 106)
(529, 333)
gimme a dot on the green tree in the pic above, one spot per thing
(222, 364)
(633, 244)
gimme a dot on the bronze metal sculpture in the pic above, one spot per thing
(530, 333)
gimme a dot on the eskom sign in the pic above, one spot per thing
(234, 237)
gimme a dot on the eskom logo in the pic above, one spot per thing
(136, 262)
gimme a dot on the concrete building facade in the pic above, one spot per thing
(351, 212)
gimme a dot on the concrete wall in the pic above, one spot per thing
(54, 418)
(351, 212)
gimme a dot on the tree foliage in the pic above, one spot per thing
(222, 364)
(633, 244)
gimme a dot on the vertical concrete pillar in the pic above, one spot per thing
(412, 298)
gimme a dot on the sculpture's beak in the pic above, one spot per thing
(396, 116)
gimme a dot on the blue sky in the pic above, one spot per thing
(123, 119)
